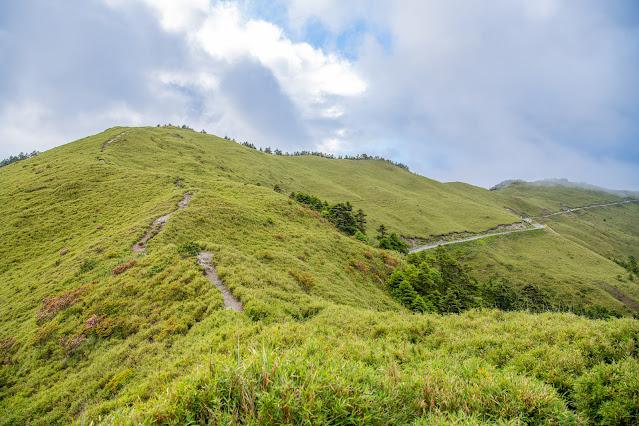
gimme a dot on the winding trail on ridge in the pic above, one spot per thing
(230, 301)
(106, 144)
(203, 258)
(584, 207)
(158, 225)
(528, 220)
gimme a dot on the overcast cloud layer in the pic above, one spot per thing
(458, 90)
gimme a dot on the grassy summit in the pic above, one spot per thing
(91, 331)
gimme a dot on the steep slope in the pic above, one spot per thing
(571, 260)
(611, 231)
(77, 299)
(606, 222)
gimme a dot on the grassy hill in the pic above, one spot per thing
(569, 273)
(543, 197)
(90, 331)
(404, 202)
(611, 231)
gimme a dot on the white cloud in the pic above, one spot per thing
(23, 127)
(466, 82)
(29, 125)
(221, 30)
(458, 90)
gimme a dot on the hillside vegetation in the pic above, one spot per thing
(540, 198)
(91, 331)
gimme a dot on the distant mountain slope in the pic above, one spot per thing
(609, 230)
(537, 198)
(566, 272)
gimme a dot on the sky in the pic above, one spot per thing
(459, 90)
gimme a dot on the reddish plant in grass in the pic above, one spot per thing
(8, 345)
(70, 345)
(123, 267)
(94, 321)
(54, 305)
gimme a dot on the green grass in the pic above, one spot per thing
(569, 273)
(407, 203)
(99, 334)
(610, 231)
(348, 366)
(536, 199)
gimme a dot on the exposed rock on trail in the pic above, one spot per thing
(158, 225)
(230, 301)
(106, 144)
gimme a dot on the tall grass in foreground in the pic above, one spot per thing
(348, 366)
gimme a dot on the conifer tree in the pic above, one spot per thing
(360, 218)
(381, 231)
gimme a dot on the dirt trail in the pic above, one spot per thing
(158, 225)
(204, 258)
(230, 301)
(620, 296)
(106, 144)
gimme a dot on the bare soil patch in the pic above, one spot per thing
(230, 301)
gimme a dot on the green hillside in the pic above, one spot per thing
(539, 198)
(611, 231)
(568, 273)
(91, 331)
(405, 202)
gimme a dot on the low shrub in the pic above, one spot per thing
(609, 393)
(123, 267)
(191, 248)
(118, 381)
(88, 265)
(304, 279)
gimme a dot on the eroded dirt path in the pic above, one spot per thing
(620, 296)
(106, 144)
(230, 301)
(158, 225)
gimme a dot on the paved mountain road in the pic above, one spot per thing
(528, 220)
(476, 237)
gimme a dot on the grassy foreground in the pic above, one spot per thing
(90, 332)
(350, 366)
